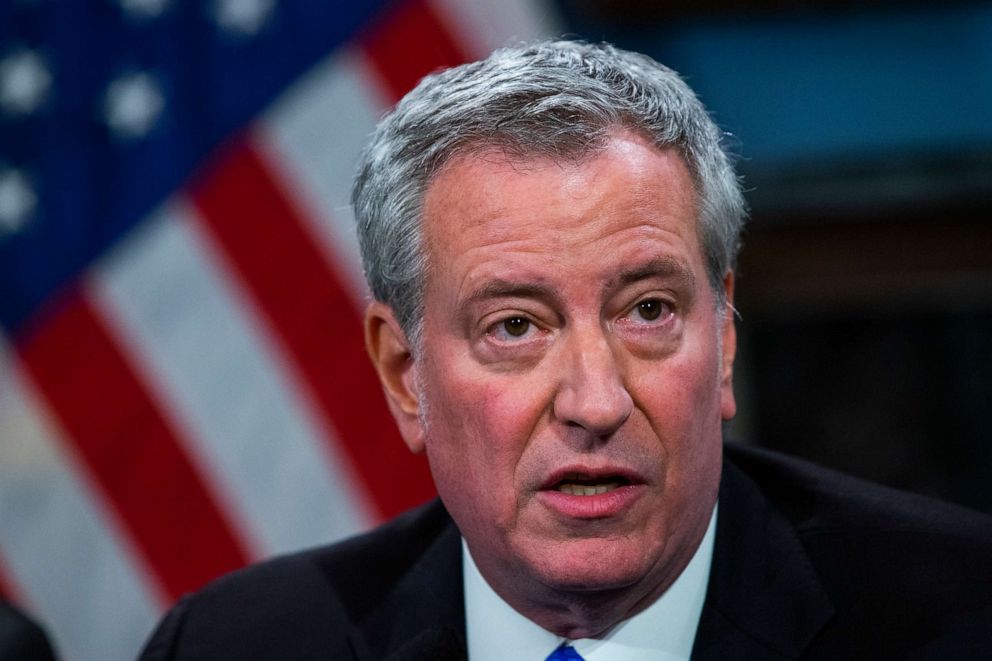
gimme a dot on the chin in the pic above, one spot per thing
(593, 565)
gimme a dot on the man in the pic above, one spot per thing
(550, 237)
(20, 638)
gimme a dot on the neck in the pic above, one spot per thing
(590, 612)
(585, 611)
(577, 615)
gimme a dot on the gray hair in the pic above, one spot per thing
(558, 99)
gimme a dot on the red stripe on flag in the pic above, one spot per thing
(129, 448)
(408, 43)
(310, 311)
(7, 591)
(11, 591)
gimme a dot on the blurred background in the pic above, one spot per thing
(183, 387)
(865, 283)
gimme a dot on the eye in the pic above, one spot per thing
(652, 309)
(649, 310)
(512, 329)
(516, 326)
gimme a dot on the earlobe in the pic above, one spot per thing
(393, 360)
(728, 404)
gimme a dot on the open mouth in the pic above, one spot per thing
(578, 485)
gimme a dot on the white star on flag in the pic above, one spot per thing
(243, 17)
(134, 103)
(143, 9)
(24, 82)
(17, 201)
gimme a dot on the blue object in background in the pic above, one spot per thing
(820, 86)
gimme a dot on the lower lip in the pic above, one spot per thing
(598, 506)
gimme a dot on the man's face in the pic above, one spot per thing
(571, 384)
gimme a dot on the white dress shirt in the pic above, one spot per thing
(664, 630)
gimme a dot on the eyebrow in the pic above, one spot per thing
(500, 288)
(659, 267)
(663, 267)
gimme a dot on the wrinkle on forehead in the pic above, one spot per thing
(494, 271)
(579, 175)
(491, 217)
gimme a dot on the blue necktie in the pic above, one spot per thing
(565, 652)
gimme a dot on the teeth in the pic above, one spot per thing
(587, 489)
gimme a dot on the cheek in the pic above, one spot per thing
(698, 417)
(681, 391)
(682, 405)
(498, 412)
(478, 431)
(682, 400)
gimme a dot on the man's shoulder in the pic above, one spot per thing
(902, 572)
(823, 502)
(354, 568)
(300, 598)
(22, 638)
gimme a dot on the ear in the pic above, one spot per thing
(728, 405)
(393, 360)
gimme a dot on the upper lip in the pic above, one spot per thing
(592, 474)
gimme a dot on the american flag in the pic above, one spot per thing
(183, 384)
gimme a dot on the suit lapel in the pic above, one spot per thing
(764, 599)
(424, 615)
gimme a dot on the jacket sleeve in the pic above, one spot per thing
(164, 641)
(263, 614)
(21, 638)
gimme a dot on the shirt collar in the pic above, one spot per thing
(664, 630)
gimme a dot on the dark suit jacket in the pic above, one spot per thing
(20, 638)
(807, 564)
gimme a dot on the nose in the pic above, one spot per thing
(592, 394)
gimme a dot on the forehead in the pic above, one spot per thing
(485, 211)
